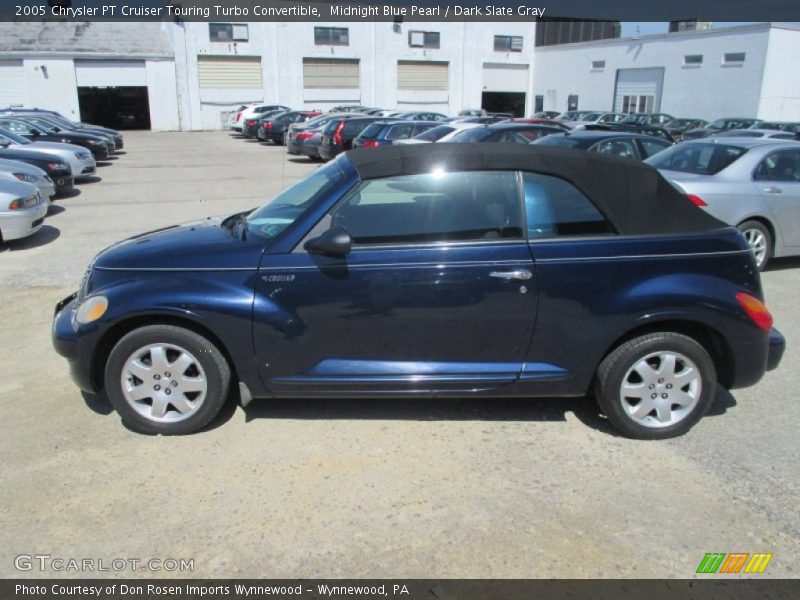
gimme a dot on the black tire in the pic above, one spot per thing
(611, 375)
(750, 226)
(214, 366)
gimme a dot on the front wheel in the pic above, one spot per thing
(656, 386)
(760, 241)
(166, 379)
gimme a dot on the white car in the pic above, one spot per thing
(22, 210)
(79, 159)
(441, 133)
(253, 110)
(14, 170)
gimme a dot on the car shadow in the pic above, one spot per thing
(303, 160)
(119, 153)
(44, 236)
(55, 209)
(89, 180)
(782, 264)
(73, 193)
(104, 163)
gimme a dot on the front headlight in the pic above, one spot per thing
(23, 203)
(91, 309)
(82, 155)
(25, 177)
(55, 166)
(95, 142)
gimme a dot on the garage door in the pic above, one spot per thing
(417, 75)
(13, 84)
(638, 90)
(242, 72)
(331, 73)
(505, 78)
(110, 73)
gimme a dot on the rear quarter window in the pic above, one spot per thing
(702, 159)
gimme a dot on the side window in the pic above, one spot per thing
(400, 132)
(433, 207)
(779, 166)
(623, 148)
(653, 146)
(419, 128)
(554, 207)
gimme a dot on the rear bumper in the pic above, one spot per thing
(777, 345)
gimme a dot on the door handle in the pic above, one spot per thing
(773, 190)
(519, 275)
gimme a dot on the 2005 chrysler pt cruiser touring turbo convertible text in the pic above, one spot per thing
(441, 269)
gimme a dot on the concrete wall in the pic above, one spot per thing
(780, 90)
(709, 91)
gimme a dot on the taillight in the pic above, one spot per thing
(238, 116)
(251, 122)
(267, 125)
(304, 136)
(369, 144)
(337, 135)
(756, 310)
(696, 200)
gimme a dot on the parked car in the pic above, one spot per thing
(274, 129)
(753, 184)
(472, 112)
(57, 168)
(572, 115)
(298, 133)
(719, 126)
(657, 119)
(310, 146)
(14, 170)
(349, 108)
(677, 127)
(250, 111)
(514, 133)
(251, 125)
(438, 133)
(420, 115)
(546, 114)
(651, 130)
(615, 143)
(596, 117)
(59, 123)
(22, 210)
(779, 126)
(386, 133)
(757, 133)
(80, 161)
(431, 270)
(99, 147)
(338, 135)
(548, 122)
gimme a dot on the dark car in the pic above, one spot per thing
(251, 125)
(677, 127)
(98, 146)
(274, 129)
(546, 114)
(298, 133)
(657, 119)
(538, 121)
(338, 135)
(506, 132)
(643, 129)
(59, 123)
(385, 133)
(310, 145)
(718, 126)
(780, 126)
(614, 143)
(421, 115)
(431, 270)
(59, 171)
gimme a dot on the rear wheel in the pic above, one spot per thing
(166, 379)
(656, 386)
(760, 240)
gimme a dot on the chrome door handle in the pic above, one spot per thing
(520, 275)
(773, 190)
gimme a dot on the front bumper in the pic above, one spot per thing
(777, 345)
(63, 181)
(19, 224)
(76, 350)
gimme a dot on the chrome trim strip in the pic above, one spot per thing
(177, 269)
(642, 256)
(403, 265)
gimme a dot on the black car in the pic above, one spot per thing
(616, 143)
(48, 124)
(386, 132)
(677, 127)
(642, 129)
(338, 135)
(56, 169)
(63, 122)
(98, 146)
(657, 119)
(298, 133)
(251, 126)
(274, 129)
(718, 126)
(505, 132)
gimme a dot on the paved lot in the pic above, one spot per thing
(417, 488)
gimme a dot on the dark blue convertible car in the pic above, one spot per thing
(437, 269)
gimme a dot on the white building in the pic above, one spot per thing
(191, 72)
(742, 71)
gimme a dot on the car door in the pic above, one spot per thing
(438, 293)
(778, 180)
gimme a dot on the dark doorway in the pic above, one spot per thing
(504, 102)
(125, 107)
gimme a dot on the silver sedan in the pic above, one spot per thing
(79, 159)
(14, 170)
(22, 210)
(752, 183)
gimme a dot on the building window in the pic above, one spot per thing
(598, 65)
(331, 36)
(638, 104)
(733, 58)
(423, 39)
(228, 32)
(572, 102)
(508, 43)
(538, 103)
(692, 60)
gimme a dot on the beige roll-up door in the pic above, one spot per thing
(419, 75)
(332, 73)
(229, 71)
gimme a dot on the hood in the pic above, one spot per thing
(202, 245)
(16, 189)
(22, 153)
(15, 166)
(52, 147)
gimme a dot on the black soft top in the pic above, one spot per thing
(633, 196)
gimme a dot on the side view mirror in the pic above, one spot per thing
(334, 242)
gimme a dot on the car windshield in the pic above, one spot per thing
(591, 117)
(731, 124)
(476, 134)
(435, 133)
(558, 140)
(638, 119)
(680, 122)
(14, 138)
(270, 220)
(702, 159)
(44, 126)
